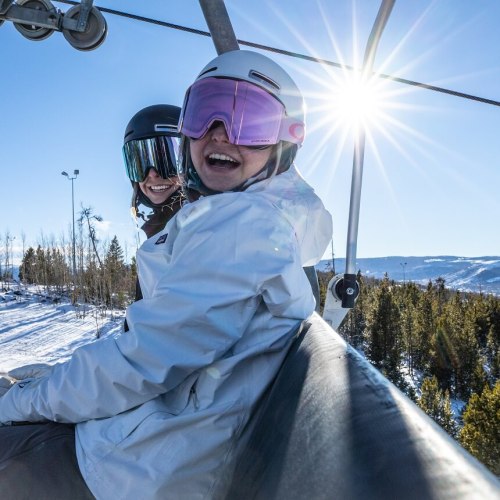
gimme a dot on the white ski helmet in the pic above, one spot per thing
(259, 70)
(266, 110)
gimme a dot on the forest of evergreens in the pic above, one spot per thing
(101, 280)
(87, 270)
(436, 345)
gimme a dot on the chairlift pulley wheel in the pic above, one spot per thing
(30, 31)
(94, 34)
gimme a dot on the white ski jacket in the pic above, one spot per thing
(159, 408)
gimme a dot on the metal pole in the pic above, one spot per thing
(73, 211)
(350, 292)
(356, 183)
(403, 265)
(219, 25)
(75, 174)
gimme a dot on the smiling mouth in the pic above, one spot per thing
(161, 188)
(222, 161)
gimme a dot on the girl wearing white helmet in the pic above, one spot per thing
(159, 410)
(259, 106)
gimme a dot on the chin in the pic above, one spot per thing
(221, 189)
(158, 201)
(221, 186)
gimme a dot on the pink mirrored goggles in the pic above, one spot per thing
(251, 116)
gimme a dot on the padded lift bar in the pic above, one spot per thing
(331, 426)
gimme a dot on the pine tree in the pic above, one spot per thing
(446, 418)
(408, 301)
(493, 358)
(429, 397)
(40, 266)
(451, 346)
(467, 351)
(440, 292)
(114, 261)
(384, 331)
(493, 336)
(27, 268)
(481, 431)
(437, 405)
(478, 306)
(440, 362)
(114, 267)
(425, 325)
(479, 377)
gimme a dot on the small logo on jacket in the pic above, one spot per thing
(161, 239)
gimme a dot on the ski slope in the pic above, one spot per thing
(37, 329)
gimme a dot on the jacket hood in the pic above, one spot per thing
(303, 209)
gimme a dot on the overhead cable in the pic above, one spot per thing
(297, 55)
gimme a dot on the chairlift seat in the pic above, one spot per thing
(331, 426)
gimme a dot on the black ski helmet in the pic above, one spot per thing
(159, 120)
(153, 121)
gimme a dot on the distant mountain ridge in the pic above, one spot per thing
(471, 274)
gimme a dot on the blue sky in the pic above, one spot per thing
(431, 173)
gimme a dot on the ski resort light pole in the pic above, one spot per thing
(403, 265)
(75, 173)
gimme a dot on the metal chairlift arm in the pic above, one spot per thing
(219, 25)
(346, 289)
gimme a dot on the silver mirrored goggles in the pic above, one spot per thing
(158, 152)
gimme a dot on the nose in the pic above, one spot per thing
(152, 173)
(218, 132)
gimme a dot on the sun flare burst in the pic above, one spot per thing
(356, 102)
(353, 101)
(349, 104)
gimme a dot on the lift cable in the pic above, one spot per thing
(294, 54)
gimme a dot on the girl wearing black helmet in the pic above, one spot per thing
(150, 148)
(150, 155)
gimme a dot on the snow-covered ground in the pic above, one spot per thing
(36, 329)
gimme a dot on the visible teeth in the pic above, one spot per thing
(163, 187)
(221, 157)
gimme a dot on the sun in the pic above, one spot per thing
(355, 101)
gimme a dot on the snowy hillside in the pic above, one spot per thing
(36, 329)
(472, 274)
